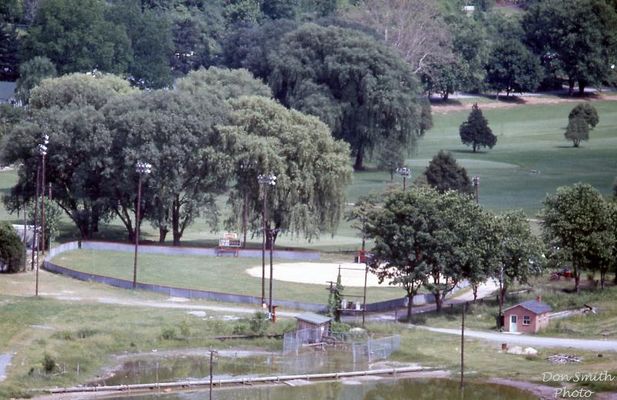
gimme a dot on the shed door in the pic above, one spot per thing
(513, 323)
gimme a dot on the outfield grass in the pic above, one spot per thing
(222, 274)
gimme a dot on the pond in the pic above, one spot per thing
(151, 369)
(383, 389)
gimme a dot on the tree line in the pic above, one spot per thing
(212, 134)
(438, 237)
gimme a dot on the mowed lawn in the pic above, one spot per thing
(221, 274)
(531, 159)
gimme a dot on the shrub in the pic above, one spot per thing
(259, 323)
(168, 333)
(49, 364)
(11, 249)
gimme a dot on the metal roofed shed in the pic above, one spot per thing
(527, 317)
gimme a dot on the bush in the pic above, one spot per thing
(12, 249)
(49, 364)
(168, 333)
(259, 323)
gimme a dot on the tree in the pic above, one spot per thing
(76, 37)
(68, 109)
(312, 168)
(415, 28)
(31, 73)
(513, 68)
(443, 173)
(475, 130)
(175, 132)
(9, 116)
(577, 130)
(587, 112)
(150, 36)
(615, 188)
(223, 83)
(390, 156)
(53, 215)
(365, 92)
(517, 253)
(11, 249)
(278, 9)
(422, 238)
(575, 37)
(238, 12)
(9, 48)
(576, 220)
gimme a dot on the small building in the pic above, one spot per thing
(319, 325)
(527, 317)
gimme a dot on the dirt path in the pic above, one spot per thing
(441, 108)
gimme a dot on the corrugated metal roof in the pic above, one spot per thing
(535, 306)
(314, 318)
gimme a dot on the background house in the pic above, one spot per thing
(527, 317)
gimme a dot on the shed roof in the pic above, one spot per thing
(535, 306)
(313, 318)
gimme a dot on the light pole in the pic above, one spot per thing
(43, 153)
(142, 168)
(476, 185)
(264, 181)
(245, 166)
(271, 234)
(405, 173)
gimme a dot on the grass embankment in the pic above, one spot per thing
(80, 339)
(222, 274)
(74, 334)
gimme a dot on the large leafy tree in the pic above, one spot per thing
(360, 88)
(76, 37)
(175, 132)
(513, 68)
(577, 38)
(423, 237)
(150, 35)
(475, 131)
(516, 252)
(575, 221)
(443, 173)
(577, 130)
(587, 112)
(413, 27)
(31, 73)
(68, 109)
(312, 168)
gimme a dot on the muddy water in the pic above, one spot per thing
(169, 369)
(367, 390)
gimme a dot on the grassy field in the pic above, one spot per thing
(531, 159)
(226, 274)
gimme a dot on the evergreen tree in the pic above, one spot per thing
(476, 132)
(443, 173)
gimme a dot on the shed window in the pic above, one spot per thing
(526, 320)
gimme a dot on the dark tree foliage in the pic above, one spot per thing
(11, 249)
(574, 38)
(443, 173)
(360, 88)
(513, 68)
(31, 73)
(9, 49)
(252, 47)
(426, 117)
(587, 112)
(279, 9)
(475, 131)
(577, 130)
(149, 32)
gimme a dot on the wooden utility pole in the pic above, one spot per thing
(463, 344)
